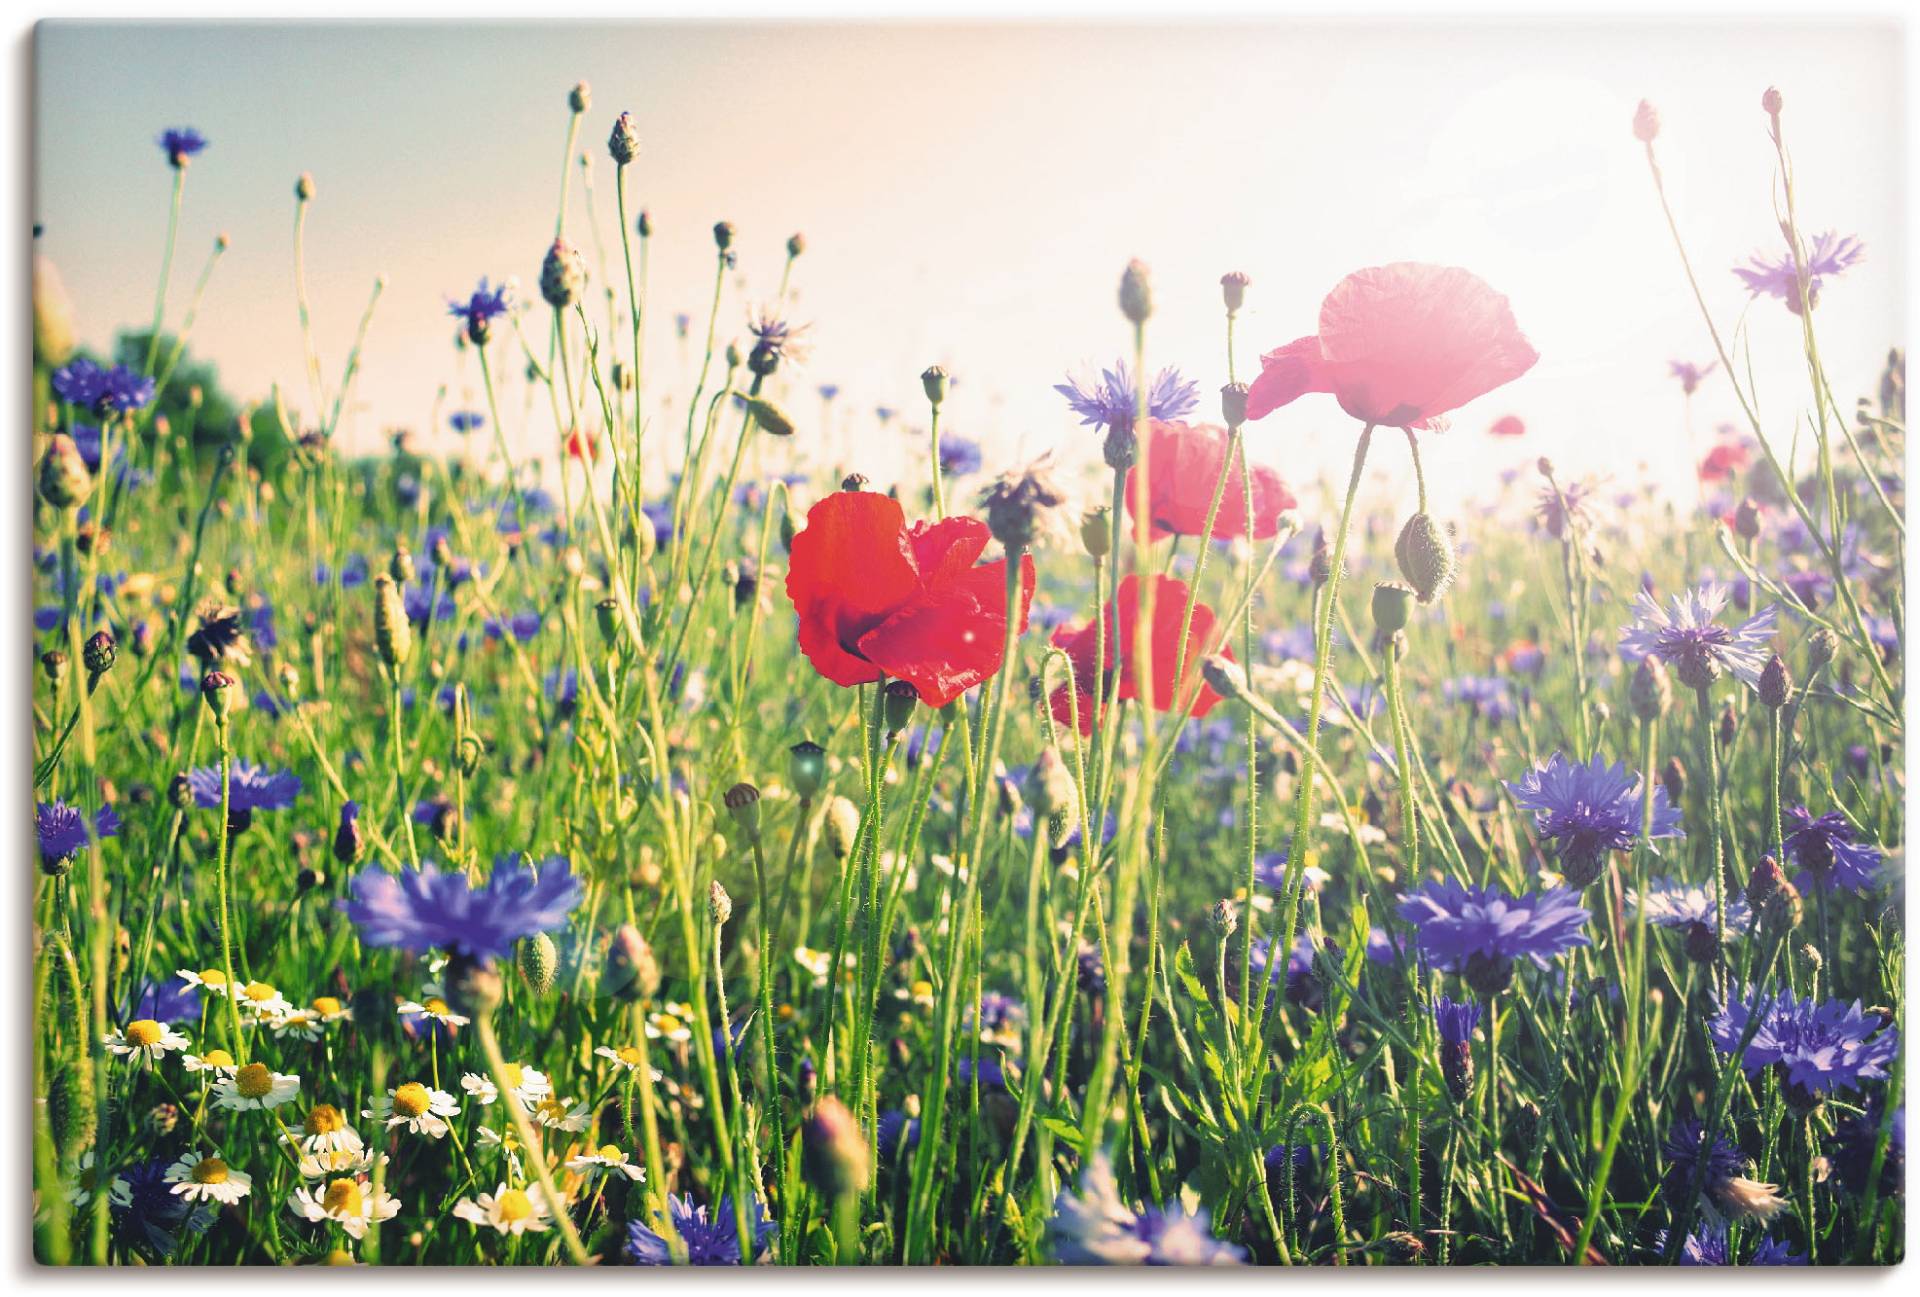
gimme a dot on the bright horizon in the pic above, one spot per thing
(970, 194)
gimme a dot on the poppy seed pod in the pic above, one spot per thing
(1392, 605)
(1425, 554)
(580, 98)
(624, 143)
(897, 703)
(563, 275)
(606, 615)
(1233, 290)
(719, 904)
(1646, 123)
(854, 482)
(632, 973)
(64, 480)
(843, 827)
(832, 1150)
(1096, 530)
(216, 690)
(303, 187)
(643, 224)
(392, 633)
(934, 379)
(1776, 683)
(743, 803)
(796, 244)
(723, 235)
(539, 962)
(770, 417)
(1650, 692)
(1136, 293)
(807, 769)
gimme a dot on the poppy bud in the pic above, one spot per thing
(897, 703)
(539, 962)
(770, 417)
(303, 187)
(1225, 677)
(1650, 692)
(1746, 520)
(719, 904)
(1673, 778)
(1488, 975)
(632, 973)
(563, 275)
(580, 98)
(1771, 102)
(1096, 531)
(1136, 294)
(349, 841)
(1050, 787)
(97, 655)
(1233, 404)
(606, 615)
(1011, 802)
(723, 235)
(216, 690)
(854, 482)
(1233, 290)
(1223, 917)
(1425, 554)
(807, 769)
(1646, 123)
(64, 480)
(796, 244)
(787, 532)
(1822, 647)
(832, 1151)
(1392, 603)
(934, 380)
(392, 633)
(743, 803)
(843, 827)
(624, 143)
(1701, 946)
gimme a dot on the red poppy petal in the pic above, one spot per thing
(1065, 699)
(946, 549)
(849, 568)
(951, 637)
(1286, 375)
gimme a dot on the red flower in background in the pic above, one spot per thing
(583, 445)
(1399, 345)
(877, 597)
(1723, 461)
(1183, 463)
(1169, 608)
(1508, 425)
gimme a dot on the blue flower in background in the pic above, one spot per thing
(252, 788)
(710, 1238)
(1110, 403)
(1093, 1225)
(959, 456)
(1818, 1048)
(1670, 903)
(424, 909)
(1825, 848)
(1583, 812)
(63, 830)
(180, 143)
(1829, 254)
(465, 421)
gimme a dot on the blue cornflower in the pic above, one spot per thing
(479, 311)
(1586, 811)
(1776, 1252)
(1707, 1246)
(1693, 643)
(1486, 697)
(1482, 931)
(79, 382)
(425, 909)
(775, 341)
(1566, 508)
(1817, 1048)
(1001, 1018)
(959, 456)
(1686, 1148)
(1778, 277)
(168, 1001)
(1456, 1019)
(990, 1075)
(1853, 1144)
(465, 421)
(896, 1134)
(660, 514)
(252, 788)
(1110, 404)
(151, 1212)
(423, 608)
(1670, 903)
(1094, 1226)
(710, 1238)
(180, 143)
(1302, 987)
(829, 390)
(1825, 848)
(63, 831)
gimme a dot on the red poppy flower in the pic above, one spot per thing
(1723, 461)
(1183, 462)
(583, 445)
(877, 597)
(1399, 345)
(1169, 608)
(1508, 425)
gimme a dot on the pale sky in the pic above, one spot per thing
(970, 194)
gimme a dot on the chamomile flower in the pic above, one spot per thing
(529, 1086)
(419, 1108)
(817, 962)
(432, 1006)
(627, 1056)
(508, 1210)
(217, 1061)
(330, 1163)
(330, 1009)
(325, 1130)
(255, 1086)
(350, 1203)
(207, 1179)
(606, 1160)
(207, 979)
(145, 1036)
(919, 994)
(305, 1024)
(262, 1001)
(562, 1114)
(671, 1024)
(85, 1178)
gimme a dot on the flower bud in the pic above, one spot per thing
(303, 187)
(1770, 101)
(624, 143)
(897, 703)
(743, 803)
(843, 827)
(1020, 504)
(632, 973)
(216, 690)
(180, 792)
(1096, 531)
(64, 480)
(723, 235)
(1225, 677)
(1776, 683)
(349, 841)
(1120, 448)
(563, 275)
(1764, 882)
(1646, 123)
(770, 417)
(53, 664)
(1223, 917)
(1701, 946)
(580, 98)
(854, 482)
(1650, 692)
(832, 1151)
(1392, 604)
(97, 654)
(796, 244)
(1050, 789)
(1136, 294)
(1425, 554)
(934, 380)
(1746, 520)
(1320, 566)
(1673, 778)
(1823, 646)
(719, 904)
(1233, 290)
(392, 633)
(807, 769)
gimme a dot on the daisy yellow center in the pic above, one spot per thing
(217, 1058)
(145, 1032)
(667, 1023)
(629, 1055)
(324, 1120)
(513, 1205)
(921, 990)
(342, 1198)
(435, 1004)
(412, 1099)
(339, 1256)
(515, 1074)
(326, 1004)
(608, 1153)
(88, 1179)
(260, 992)
(213, 977)
(253, 1081)
(210, 1170)
(553, 1108)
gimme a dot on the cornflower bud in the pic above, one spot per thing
(624, 143)
(1136, 294)
(769, 417)
(1019, 505)
(1673, 777)
(1764, 882)
(934, 380)
(1223, 917)
(563, 275)
(1233, 290)
(97, 655)
(216, 690)
(796, 244)
(64, 479)
(807, 769)
(832, 1150)
(392, 633)
(180, 792)
(53, 664)
(400, 564)
(1225, 677)
(1823, 646)
(349, 840)
(580, 98)
(1650, 692)
(719, 904)
(723, 235)
(1746, 520)
(303, 187)
(743, 803)
(843, 827)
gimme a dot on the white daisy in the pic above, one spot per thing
(421, 1110)
(255, 1086)
(304, 1023)
(530, 1086)
(671, 1024)
(432, 1006)
(331, 1009)
(562, 1114)
(145, 1036)
(606, 1159)
(262, 1001)
(920, 993)
(218, 1061)
(83, 1181)
(510, 1211)
(204, 1179)
(350, 1203)
(626, 1056)
(207, 979)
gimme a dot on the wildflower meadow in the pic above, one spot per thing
(625, 839)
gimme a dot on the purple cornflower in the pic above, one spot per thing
(87, 384)
(1303, 988)
(1825, 848)
(829, 390)
(180, 143)
(1817, 1048)
(465, 421)
(1486, 697)
(251, 788)
(63, 831)
(1481, 931)
(1670, 903)
(1690, 374)
(1096, 1227)
(479, 311)
(1686, 1148)
(990, 1074)
(1776, 1252)
(1587, 811)
(1854, 1140)
(1456, 1019)
(168, 1001)
(711, 1238)
(1830, 254)
(425, 909)
(775, 341)
(896, 1134)
(1566, 508)
(1689, 640)
(1707, 1246)
(1001, 1018)
(959, 456)
(1109, 403)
